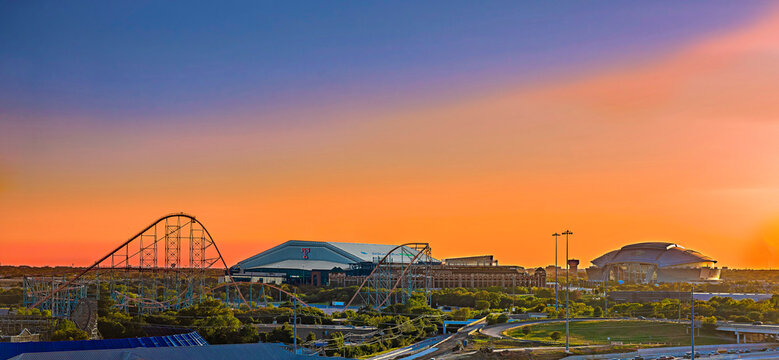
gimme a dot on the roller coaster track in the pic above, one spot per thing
(146, 256)
(421, 248)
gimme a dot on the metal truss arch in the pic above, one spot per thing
(399, 280)
(169, 264)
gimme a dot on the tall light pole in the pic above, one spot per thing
(513, 292)
(567, 290)
(606, 297)
(556, 284)
(692, 320)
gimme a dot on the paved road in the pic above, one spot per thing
(704, 350)
(439, 344)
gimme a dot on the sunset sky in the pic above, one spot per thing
(481, 129)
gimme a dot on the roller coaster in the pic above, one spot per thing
(148, 272)
(395, 282)
(174, 263)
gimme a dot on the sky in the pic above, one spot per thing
(478, 128)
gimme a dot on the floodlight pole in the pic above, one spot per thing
(605, 298)
(692, 320)
(567, 291)
(556, 284)
(513, 292)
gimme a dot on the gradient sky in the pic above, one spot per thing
(481, 129)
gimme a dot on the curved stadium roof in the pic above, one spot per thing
(659, 253)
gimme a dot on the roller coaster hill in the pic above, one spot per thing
(174, 263)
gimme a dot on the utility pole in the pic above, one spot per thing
(513, 292)
(606, 298)
(692, 320)
(556, 283)
(680, 303)
(295, 320)
(567, 291)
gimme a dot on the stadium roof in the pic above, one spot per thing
(257, 351)
(322, 255)
(661, 254)
(8, 350)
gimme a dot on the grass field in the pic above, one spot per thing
(626, 331)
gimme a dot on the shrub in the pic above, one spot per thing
(461, 314)
(67, 330)
(709, 323)
(555, 335)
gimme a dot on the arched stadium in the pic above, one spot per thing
(653, 262)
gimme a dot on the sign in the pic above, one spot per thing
(305, 252)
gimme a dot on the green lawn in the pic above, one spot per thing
(626, 331)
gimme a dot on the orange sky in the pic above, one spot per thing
(680, 147)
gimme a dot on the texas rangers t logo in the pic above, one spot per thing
(305, 252)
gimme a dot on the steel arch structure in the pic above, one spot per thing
(164, 266)
(395, 282)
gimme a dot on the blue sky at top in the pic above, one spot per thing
(131, 60)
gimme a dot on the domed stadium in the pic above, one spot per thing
(653, 262)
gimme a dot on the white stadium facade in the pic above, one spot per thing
(653, 262)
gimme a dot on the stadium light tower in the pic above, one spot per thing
(555, 270)
(692, 320)
(567, 290)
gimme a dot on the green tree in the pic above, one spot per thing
(117, 324)
(597, 312)
(482, 305)
(217, 323)
(555, 335)
(335, 345)
(67, 330)
(311, 337)
(461, 314)
(709, 323)
(284, 334)
(526, 330)
(11, 297)
(754, 315)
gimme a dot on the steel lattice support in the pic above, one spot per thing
(61, 303)
(133, 275)
(402, 273)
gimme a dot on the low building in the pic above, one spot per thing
(483, 260)
(450, 276)
(24, 336)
